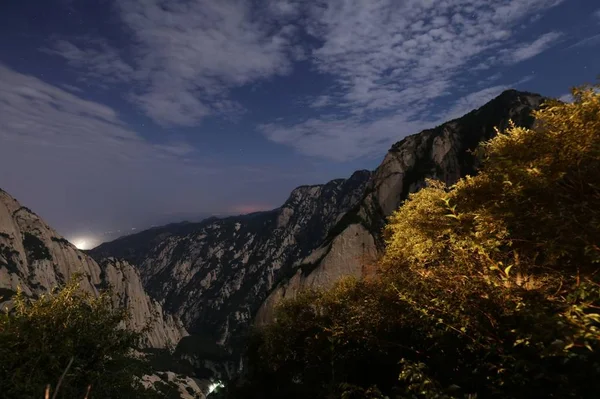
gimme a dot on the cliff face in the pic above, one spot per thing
(221, 275)
(36, 258)
(442, 153)
(215, 274)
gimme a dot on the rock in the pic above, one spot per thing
(36, 258)
(188, 387)
(215, 274)
(442, 153)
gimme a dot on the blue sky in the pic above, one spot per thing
(119, 114)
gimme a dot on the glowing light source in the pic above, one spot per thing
(214, 386)
(83, 243)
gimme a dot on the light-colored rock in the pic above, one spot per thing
(441, 153)
(351, 253)
(188, 387)
(34, 257)
(215, 274)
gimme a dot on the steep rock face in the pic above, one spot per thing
(36, 258)
(442, 153)
(349, 254)
(215, 274)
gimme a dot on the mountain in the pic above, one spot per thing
(36, 258)
(442, 153)
(221, 275)
(215, 274)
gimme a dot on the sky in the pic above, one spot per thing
(121, 114)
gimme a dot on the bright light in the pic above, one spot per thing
(83, 243)
(214, 386)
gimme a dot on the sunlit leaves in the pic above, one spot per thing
(488, 288)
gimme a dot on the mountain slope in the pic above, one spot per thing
(223, 274)
(215, 274)
(442, 153)
(36, 258)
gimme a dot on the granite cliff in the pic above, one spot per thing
(36, 258)
(215, 274)
(442, 153)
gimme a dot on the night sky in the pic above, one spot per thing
(121, 114)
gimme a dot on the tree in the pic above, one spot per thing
(488, 287)
(72, 332)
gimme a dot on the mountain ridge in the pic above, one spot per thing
(223, 275)
(443, 152)
(277, 237)
(36, 259)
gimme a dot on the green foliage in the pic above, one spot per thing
(68, 330)
(487, 288)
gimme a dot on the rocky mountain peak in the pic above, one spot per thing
(216, 273)
(34, 257)
(443, 153)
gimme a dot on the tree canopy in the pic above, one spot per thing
(488, 288)
(73, 342)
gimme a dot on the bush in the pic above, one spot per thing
(488, 288)
(73, 332)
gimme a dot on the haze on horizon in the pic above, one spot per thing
(118, 115)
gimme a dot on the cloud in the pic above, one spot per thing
(387, 60)
(588, 41)
(393, 62)
(597, 14)
(40, 114)
(185, 56)
(472, 101)
(98, 61)
(346, 139)
(343, 139)
(529, 50)
(76, 160)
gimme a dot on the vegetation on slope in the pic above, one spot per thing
(73, 342)
(487, 289)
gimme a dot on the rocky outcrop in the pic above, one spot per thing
(36, 258)
(215, 274)
(442, 153)
(349, 254)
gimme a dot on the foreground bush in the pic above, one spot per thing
(487, 289)
(68, 331)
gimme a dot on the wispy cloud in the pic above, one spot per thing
(44, 115)
(76, 159)
(99, 62)
(394, 61)
(186, 55)
(588, 41)
(529, 50)
(388, 60)
(342, 139)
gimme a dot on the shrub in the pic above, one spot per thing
(73, 332)
(487, 288)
